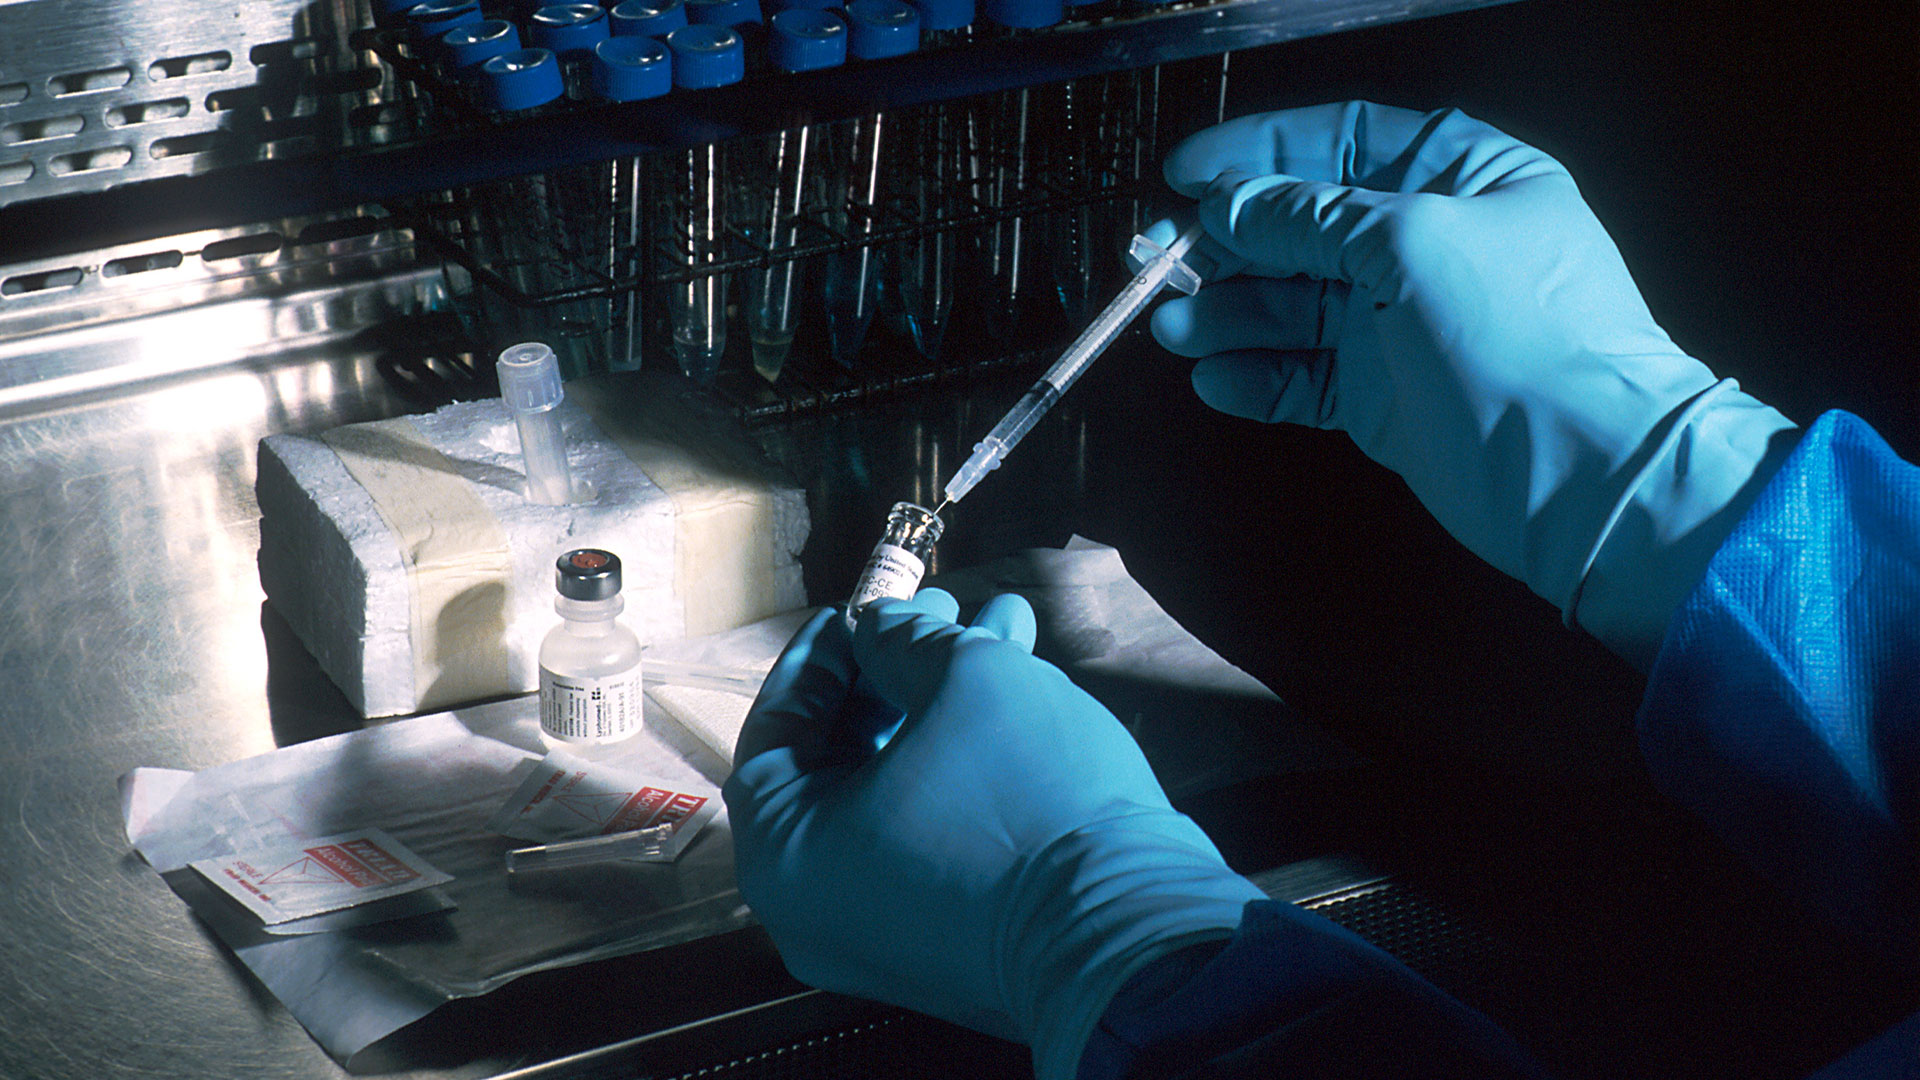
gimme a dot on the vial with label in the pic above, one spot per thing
(590, 663)
(899, 560)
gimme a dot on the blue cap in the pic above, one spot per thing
(945, 14)
(569, 29)
(436, 17)
(804, 40)
(522, 79)
(476, 43)
(723, 12)
(707, 55)
(882, 28)
(806, 5)
(1024, 14)
(631, 68)
(648, 18)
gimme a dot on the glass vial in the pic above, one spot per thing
(590, 663)
(899, 560)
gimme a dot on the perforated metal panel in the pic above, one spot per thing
(99, 94)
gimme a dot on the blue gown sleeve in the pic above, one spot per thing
(1784, 709)
(1784, 706)
(1292, 994)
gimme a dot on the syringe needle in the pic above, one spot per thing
(1159, 267)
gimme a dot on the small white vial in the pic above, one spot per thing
(590, 663)
(899, 560)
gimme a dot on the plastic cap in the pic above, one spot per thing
(706, 55)
(945, 14)
(648, 18)
(522, 79)
(587, 574)
(805, 5)
(882, 28)
(806, 40)
(631, 68)
(436, 17)
(529, 377)
(569, 29)
(476, 43)
(723, 12)
(1024, 14)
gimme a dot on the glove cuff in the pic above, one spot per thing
(1710, 461)
(1098, 905)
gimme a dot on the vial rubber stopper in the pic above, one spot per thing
(587, 574)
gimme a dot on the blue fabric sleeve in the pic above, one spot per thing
(1784, 707)
(1293, 995)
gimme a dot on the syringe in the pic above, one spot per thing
(1159, 267)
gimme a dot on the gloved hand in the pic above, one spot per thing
(1006, 860)
(1466, 320)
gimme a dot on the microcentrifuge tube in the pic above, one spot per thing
(899, 560)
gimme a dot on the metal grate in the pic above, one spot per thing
(901, 1047)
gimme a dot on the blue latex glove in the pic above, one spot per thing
(1466, 320)
(1005, 861)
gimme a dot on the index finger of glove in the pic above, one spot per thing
(1359, 144)
(904, 651)
(800, 702)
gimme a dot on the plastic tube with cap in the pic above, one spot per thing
(530, 384)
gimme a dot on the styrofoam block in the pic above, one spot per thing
(331, 566)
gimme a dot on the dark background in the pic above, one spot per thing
(1757, 165)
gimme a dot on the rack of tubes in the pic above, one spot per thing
(811, 266)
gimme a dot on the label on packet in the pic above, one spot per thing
(300, 878)
(564, 797)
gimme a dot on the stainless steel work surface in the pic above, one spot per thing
(133, 636)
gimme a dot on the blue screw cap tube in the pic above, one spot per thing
(477, 43)
(941, 15)
(648, 18)
(435, 17)
(569, 30)
(1024, 14)
(877, 29)
(807, 40)
(630, 69)
(522, 79)
(707, 55)
(806, 5)
(723, 12)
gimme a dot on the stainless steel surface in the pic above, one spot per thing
(134, 636)
(98, 95)
(164, 307)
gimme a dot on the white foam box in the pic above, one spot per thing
(717, 548)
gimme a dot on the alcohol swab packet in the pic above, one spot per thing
(564, 798)
(302, 878)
